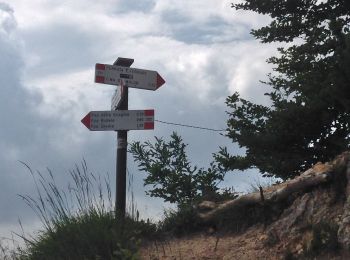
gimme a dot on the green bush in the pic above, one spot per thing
(170, 173)
(90, 236)
(184, 220)
(79, 222)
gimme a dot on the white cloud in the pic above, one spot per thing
(201, 48)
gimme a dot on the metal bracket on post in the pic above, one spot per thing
(122, 140)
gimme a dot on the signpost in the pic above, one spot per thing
(121, 119)
(132, 78)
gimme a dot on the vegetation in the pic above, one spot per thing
(174, 179)
(80, 223)
(310, 96)
(171, 174)
(324, 239)
(181, 221)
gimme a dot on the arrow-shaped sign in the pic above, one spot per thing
(119, 120)
(132, 78)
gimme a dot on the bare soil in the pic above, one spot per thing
(315, 224)
(246, 246)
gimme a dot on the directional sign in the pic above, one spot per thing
(119, 120)
(132, 78)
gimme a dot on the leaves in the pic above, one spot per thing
(170, 173)
(308, 120)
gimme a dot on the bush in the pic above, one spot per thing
(171, 174)
(184, 220)
(90, 236)
(324, 239)
(80, 223)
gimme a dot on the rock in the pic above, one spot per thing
(206, 205)
(263, 238)
(344, 226)
(298, 247)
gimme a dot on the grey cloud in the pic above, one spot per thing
(16, 133)
(214, 29)
(26, 136)
(61, 47)
(135, 6)
(65, 48)
(7, 23)
(6, 8)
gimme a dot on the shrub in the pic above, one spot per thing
(79, 222)
(183, 220)
(324, 239)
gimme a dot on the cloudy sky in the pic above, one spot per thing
(48, 50)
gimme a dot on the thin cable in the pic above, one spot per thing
(191, 126)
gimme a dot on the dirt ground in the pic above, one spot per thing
(248, 245)
(315, 224)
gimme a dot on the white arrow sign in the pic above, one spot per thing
(119, 120)
(131, 77)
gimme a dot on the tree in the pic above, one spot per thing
(170, 173)
(308, 120)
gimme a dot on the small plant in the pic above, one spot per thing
(170, 173)
(8, 248)
(288, 255)
(324, 239)
(271, 239)
(220, 195)
(262, 183)
(183, 220)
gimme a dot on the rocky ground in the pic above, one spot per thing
(312, 222)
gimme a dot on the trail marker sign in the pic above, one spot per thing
(131, 77)
(119, 120)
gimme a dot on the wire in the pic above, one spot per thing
(191, 126)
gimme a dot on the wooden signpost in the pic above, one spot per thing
(121, 119)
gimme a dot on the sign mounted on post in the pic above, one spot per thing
(131, 77)
(119, 120)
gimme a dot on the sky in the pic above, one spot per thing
(48, 52)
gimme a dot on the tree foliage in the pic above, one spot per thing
(308, 120)
(170, 173)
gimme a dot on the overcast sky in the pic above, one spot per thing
(48, 50)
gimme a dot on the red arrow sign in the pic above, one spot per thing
(119, 120)
(131, 77)
(87, 121)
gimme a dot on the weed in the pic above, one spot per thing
(262, 183)
(272, 239)
(288, 255)
(183, 220)
(324, 239)
(79, 222)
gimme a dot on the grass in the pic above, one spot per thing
(324, 239)
(79, 221)
(256, 184)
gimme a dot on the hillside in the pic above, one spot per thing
(304, 218)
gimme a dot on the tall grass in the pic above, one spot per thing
(79, 221)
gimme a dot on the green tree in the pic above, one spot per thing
(171, 174)
(308, 120)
